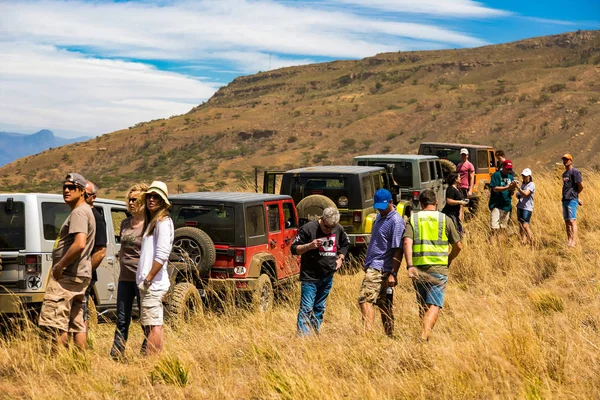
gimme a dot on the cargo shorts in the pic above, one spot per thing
(63, 304)
(373, 287)
(151, 313)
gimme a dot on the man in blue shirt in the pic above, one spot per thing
(382, 262)
(502, 187)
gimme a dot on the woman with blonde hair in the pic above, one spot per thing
(131, 232)
(152, 277)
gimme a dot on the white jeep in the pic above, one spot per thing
(29, 225)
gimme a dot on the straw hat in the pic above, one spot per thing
(160, 188)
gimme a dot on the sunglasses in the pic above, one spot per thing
(70, 188)
(153, 196)
(132, 200)
(327, 226)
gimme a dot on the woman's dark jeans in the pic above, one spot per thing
(126, 293)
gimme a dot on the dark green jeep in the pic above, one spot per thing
(349, 188)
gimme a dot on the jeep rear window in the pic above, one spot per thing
(12, 225)
(443, 153)
(217, 221)
(403, 174)
(53, 216)
(333, 188)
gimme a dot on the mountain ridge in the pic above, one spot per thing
(535, 98)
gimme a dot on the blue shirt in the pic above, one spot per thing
(386, 237)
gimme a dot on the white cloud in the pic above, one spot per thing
(45, 87)
(87, 88)
(439, 8)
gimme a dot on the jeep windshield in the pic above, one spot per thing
(216, 220)
(12, 225)
(338, 188)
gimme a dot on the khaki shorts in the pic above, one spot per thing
(151, 313)
(373, 289)
(63, 304)
(499, 218)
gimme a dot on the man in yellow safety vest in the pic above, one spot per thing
(427, 241)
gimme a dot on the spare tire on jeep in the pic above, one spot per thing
(311, 207)
(447, 167)
(193, 245)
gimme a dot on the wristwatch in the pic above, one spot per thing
(409, 266)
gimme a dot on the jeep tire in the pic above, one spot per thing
(447, 167)
(184, 301)
(199, 247)
(262, 297)
(311, 207)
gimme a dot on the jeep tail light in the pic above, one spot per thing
(357, 216)
(240, 257)
(33, 264)
(416, 194)
(360, 239)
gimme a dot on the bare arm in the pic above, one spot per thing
(397, 260)
(579, 187)
(98, 256)
(456, 248)
(471, 181)
(303, 248)
(71, 255)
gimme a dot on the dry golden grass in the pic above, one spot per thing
(519, 322)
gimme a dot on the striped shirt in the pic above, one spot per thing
(386, 237)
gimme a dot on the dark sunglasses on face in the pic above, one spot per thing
(153, 196)
(132, 200)
(69, 187)
(327, 226)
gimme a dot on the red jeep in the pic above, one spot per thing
(227, 241)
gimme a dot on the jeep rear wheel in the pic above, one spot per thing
(184, 302)
(262, 297)
(193, 245)
(312, 207)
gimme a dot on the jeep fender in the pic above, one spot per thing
(257, 262)
(403, 209)
(369, 222)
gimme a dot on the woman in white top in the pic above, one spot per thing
(152, 277)
(525, 205)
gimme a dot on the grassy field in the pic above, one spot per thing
(519, 322)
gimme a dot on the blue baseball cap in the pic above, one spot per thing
(383, 197)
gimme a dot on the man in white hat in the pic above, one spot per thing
(466, 171)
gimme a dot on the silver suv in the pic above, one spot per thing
(412, 174)
(29, 226)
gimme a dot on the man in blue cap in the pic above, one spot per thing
(382, 262)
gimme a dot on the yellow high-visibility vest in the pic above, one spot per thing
(430, 243)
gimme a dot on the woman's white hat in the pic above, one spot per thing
(526, 172)
(160, 188)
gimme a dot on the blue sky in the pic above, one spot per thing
(92, 67)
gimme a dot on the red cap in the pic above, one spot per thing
(507, 164)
